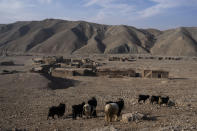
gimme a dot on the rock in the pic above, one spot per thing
(171, 103)
(170, 128)
(107, 128)
(128, 117)
(192, 127)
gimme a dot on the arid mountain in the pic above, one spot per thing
(177, 42)
(66, 37)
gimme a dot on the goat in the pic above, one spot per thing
(154, 99)
(163, 100)
(77, 110)
(87, 110)
(113, 109)
(93, 103)
(143, 98)
(57, 110)
(120, 105)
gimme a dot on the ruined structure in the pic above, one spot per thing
(61, 67)
(114, 59)
(116, 72)
(155, 74)
(38, 60)
(123, 59)
(68, 72)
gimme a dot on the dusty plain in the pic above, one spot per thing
(25, 97)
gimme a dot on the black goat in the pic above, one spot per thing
(154, 99)
(143, 98)
(77, 110)
(93, 103)
(121, 105)
(163, 100)
(57, 110)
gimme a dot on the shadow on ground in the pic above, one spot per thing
(59, 83)
(151, 118)
(178, 78)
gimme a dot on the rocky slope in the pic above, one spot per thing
(52, 36)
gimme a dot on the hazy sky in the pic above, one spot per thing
(161, 14)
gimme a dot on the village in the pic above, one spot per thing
(67, 67)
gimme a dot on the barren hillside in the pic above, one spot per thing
(176, 42)
(68, 37)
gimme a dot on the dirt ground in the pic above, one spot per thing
(25, 97)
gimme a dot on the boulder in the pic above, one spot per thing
(171, 103)
(128, 117)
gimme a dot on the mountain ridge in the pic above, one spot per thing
(54, 36)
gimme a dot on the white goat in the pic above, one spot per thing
(111, 112)
(87, 110)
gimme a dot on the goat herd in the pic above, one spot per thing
(112, 109)
(154, 99)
